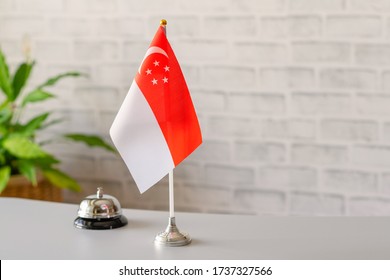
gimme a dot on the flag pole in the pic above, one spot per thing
(171, 237)
(171, 196)
(163, 23)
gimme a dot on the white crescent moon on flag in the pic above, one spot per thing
(150, 51)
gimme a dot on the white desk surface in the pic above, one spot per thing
(44, 230)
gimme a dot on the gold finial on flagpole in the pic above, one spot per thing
(163, 22)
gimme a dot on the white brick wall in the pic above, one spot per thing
(293, 97)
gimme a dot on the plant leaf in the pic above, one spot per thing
(22, 147)
(52, 122)
(52, 81)
(20, 78)
(91, 140)
(61, 180)
(46, 162)
(5, 114)
(5, 83)
(5, 173)
(27, 168)
(35, 96)
(2, 157)
(33, 124)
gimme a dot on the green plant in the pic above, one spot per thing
(20, 152)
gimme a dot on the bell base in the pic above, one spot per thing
(100, 224)
(172, 237)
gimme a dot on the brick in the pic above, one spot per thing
(319, 52)
(373, 104)
(290, 26)
(288, 129)
(386, 81)
(353, 26)
(74, 6)
(316, 204)
(201, 50)
(8, 5)
(17, 27)
(52, 51)
(155, 198)
(259, 152)
(369, 6)
(373, 54)
(228, 77)
(134, 51)
(317, 5)
(350, 181)
(156, 201)
(260, 52)
(95, 50)
(222, 26)
(261, 201)
(376, 55)
(207, 198)
(188, 171)
(40, 5)
(90, 6)
(116, 73)
(387, 29)
(204, 5)
(112, 168)
(98, 97)
(209, 101)
(349, 130)
(180, 26)
(229, 176)
(315, 154)
(213, 150)
(386, 132)
(372, 156)
(191, 74)
(385, 183)
(264, 104)
(114, 27)
(147, 7)
(342, 78)
(204, 122)
(78, 166)
(12, 50)
(321, 103)
(67, 26)
(291, 177)
(106, 118)
(365, 206)
(233, 126)
(259, 6)
(80, 121)
(286, 78)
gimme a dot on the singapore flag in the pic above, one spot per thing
(156, 127)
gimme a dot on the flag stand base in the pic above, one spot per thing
(172, 237)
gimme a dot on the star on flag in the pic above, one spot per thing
(158, 74)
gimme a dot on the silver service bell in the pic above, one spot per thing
(100, 211)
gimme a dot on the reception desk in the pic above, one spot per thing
(44, 230)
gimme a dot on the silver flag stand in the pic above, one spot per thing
(172, 237)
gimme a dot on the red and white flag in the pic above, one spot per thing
(156, 127)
